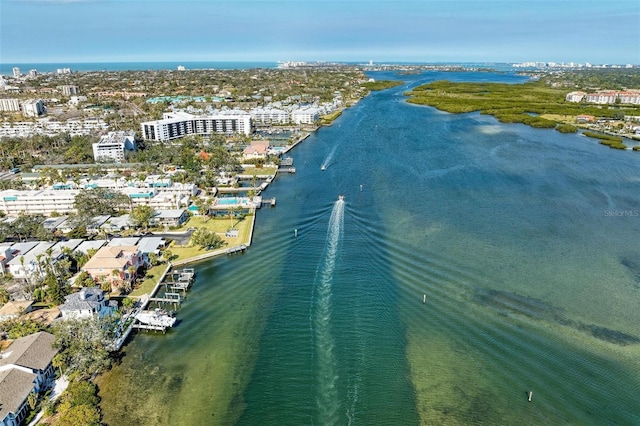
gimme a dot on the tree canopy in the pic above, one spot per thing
(100, 201)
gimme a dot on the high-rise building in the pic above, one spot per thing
(16, 72)
(68, 90)
(179, 124)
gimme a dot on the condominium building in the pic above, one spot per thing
(16, 72)
(175, 125)
(305, 115)
(112, 147)
(269, 116)
(9, 105)
(33, 108)
(68, 90)
(575, 96)
(13, 202)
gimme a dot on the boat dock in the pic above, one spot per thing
(175, 283)
(271, 202)
(237, 249)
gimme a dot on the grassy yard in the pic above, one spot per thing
(218, 225)
(259, 171)
(150, 280)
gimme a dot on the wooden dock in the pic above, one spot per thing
(287, 170)
(139, 326)
(237, 249)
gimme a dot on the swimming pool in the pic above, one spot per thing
(230, 201)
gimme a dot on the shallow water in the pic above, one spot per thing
(523, 241)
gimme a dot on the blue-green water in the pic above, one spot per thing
(523, 241)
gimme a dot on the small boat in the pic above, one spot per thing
(323, 168)
(341, 197)
(158, 317)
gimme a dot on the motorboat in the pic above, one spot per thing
(158, 317)
(341, 197)
(323, 168)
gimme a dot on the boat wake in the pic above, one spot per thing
(327, 393)
(327, 161)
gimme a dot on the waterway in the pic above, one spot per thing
(522, 243)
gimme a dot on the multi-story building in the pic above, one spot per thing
(269, 116)
(9, 105)
(307, 115)
(175, 125)
(13, 202)
(68, 90)
(112, 147)
(33, 108)
(575, 96)
(16, 72)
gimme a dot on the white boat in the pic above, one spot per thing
(341, 197)
(323, 168)
(158, 317)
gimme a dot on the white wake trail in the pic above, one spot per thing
(327, 396)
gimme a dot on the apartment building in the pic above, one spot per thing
(176, 125)
(269, 116)
(9, 105)
(32, 108)
(307, 115)
(112, 147)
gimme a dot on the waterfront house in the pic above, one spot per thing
(114, 264)
(86, 303)
(148, 245)
(257, 149)
(175, 217)
(25, 367)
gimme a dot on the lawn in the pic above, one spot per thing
(259, 171)
(150, 280)
(218, 225)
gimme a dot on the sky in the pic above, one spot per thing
(42, 31)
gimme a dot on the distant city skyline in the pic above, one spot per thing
(598, 32)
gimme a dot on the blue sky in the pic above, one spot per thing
(604, 31)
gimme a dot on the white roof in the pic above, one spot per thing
(119, 242)
(88, 245)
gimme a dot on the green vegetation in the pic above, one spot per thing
(207, 240)
(511, 103)
(614, 142)
(330, 118)
(566, 128)
(381, 85)
(83, 346)
(78, 405)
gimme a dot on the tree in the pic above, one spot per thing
(206, 239)
(141, 216)
(83, 345)
(82, 415)
(100, 201)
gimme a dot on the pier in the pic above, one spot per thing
(237, 249)
(141, 318)
(287, 170)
